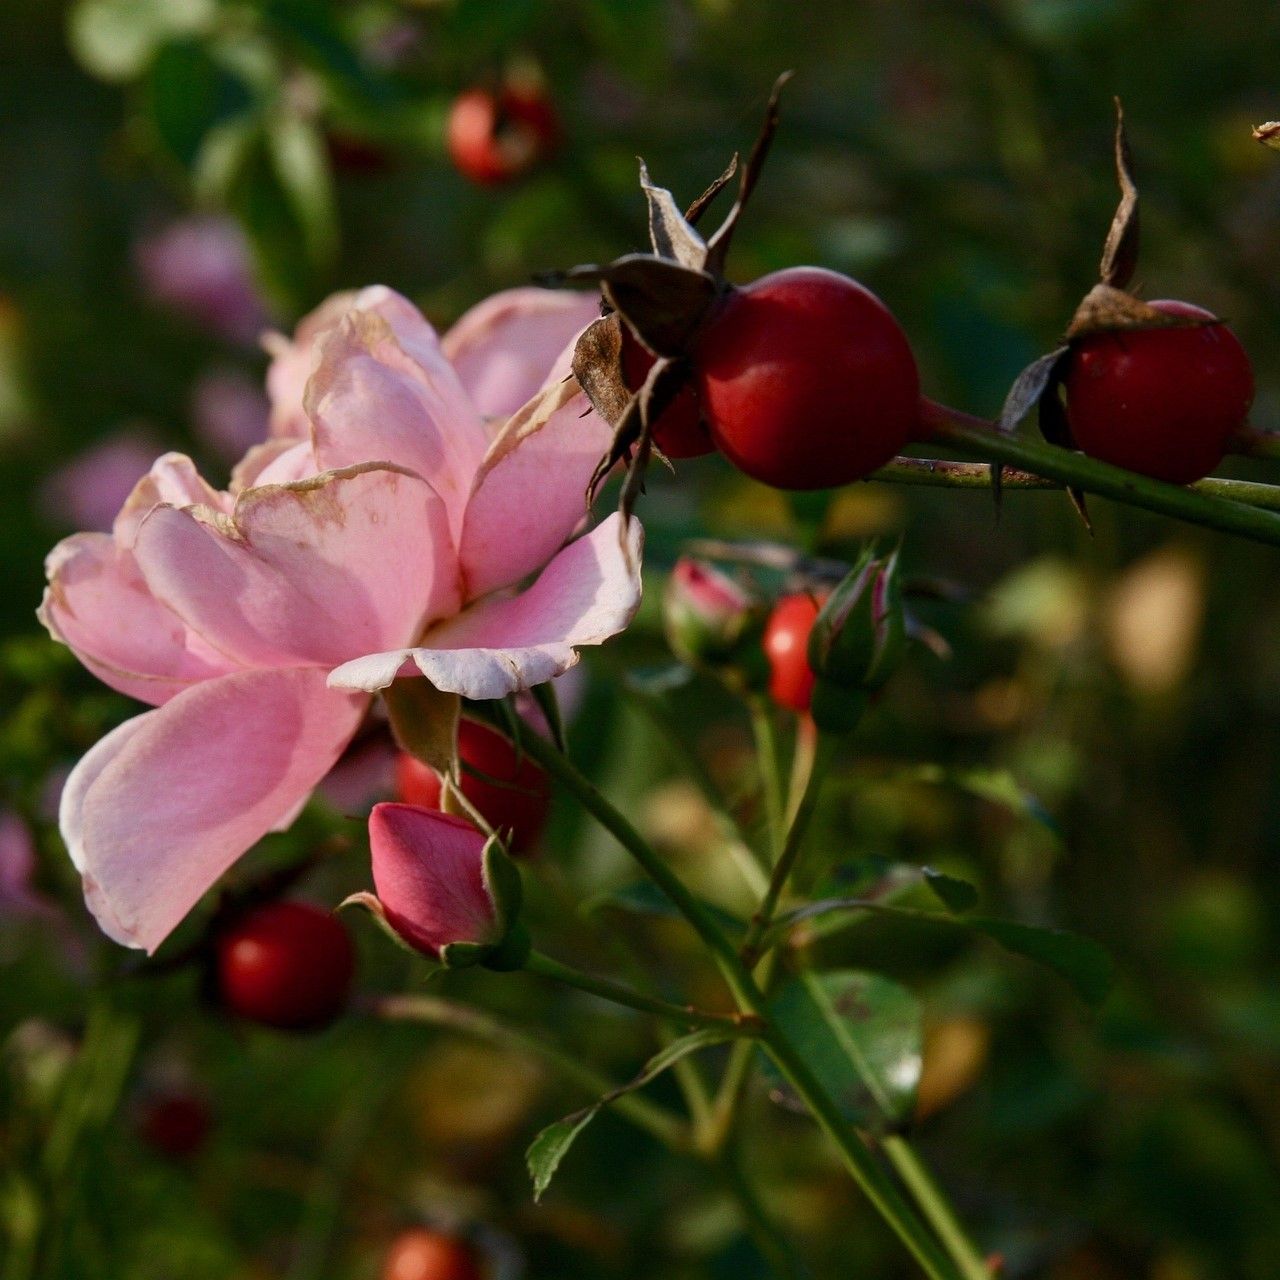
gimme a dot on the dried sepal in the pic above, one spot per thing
(1023, 395)
(1106, 309)
(718, 245)
(1120, 252)
(663, 302)
(597, 366)
(1055, 428)
(1268, 134)
(671, 234)
(695, 211)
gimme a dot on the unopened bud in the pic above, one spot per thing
(857, 641)
(710, 618)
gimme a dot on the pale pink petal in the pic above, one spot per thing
(376, 397)
(98, 604)
(504, 348)
(428, 869)
(530, 492)
(172, 480)
(312, 572)
(292, 362)
(160, 808)
(278, 461)
(588, 593)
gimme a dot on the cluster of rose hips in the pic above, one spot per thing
(496, 134)
(805, 380)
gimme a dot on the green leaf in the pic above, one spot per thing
(548, 1149)
(954, 894)
(116, 39)
(1084, 963)
(998, 786)
(187, 95)
(861, 1036)
(302, 166)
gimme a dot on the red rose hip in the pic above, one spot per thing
(679, 431)
(495, 137)
(786, 645)
(285, 964)
(421, 1254)
(514, 794)
(1161, 402)
(805, 380)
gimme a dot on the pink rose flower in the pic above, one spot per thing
(401, 535)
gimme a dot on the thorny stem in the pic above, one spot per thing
(970, 434)
(943, 473)
(607, 989)
(876, 1184)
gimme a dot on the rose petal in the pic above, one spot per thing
(275, 462)
(384, 393)
(98, 604)
(505, 347)
(588, 593)
(174, 480)
(428, 871)
(160, 808)
(530, 492)
(311, 572)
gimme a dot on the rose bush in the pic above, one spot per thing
(389, 526)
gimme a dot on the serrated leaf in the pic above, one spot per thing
(861, 1035)
(550, 1146)
(956, 895)
(1084, 963)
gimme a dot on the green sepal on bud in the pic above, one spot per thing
(857, 641)
(714, 622)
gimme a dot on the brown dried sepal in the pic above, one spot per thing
(1120, 252)
(597, 365)
(1105, 309)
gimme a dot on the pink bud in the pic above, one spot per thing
(428, 869)
(707, 613)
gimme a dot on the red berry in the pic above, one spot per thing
(679, 431)
(175, 1124)
(806, 380)
(494, 137)
(420, 1254)
(786, 645)
(285, 964)
(1161, 402)
(514, 795)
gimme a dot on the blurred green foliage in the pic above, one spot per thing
(1100, 751)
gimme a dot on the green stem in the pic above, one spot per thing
(655, 1120)
(876, 1185)
(866, 1171)
(582, 789)
(766, 736)
(935, 1207)
(975, 435)
(943, 473)
(606, 989)
(824, 753)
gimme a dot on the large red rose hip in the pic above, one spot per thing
(285, 964)
(509, 789)
(805, 380)
(1161, 402)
